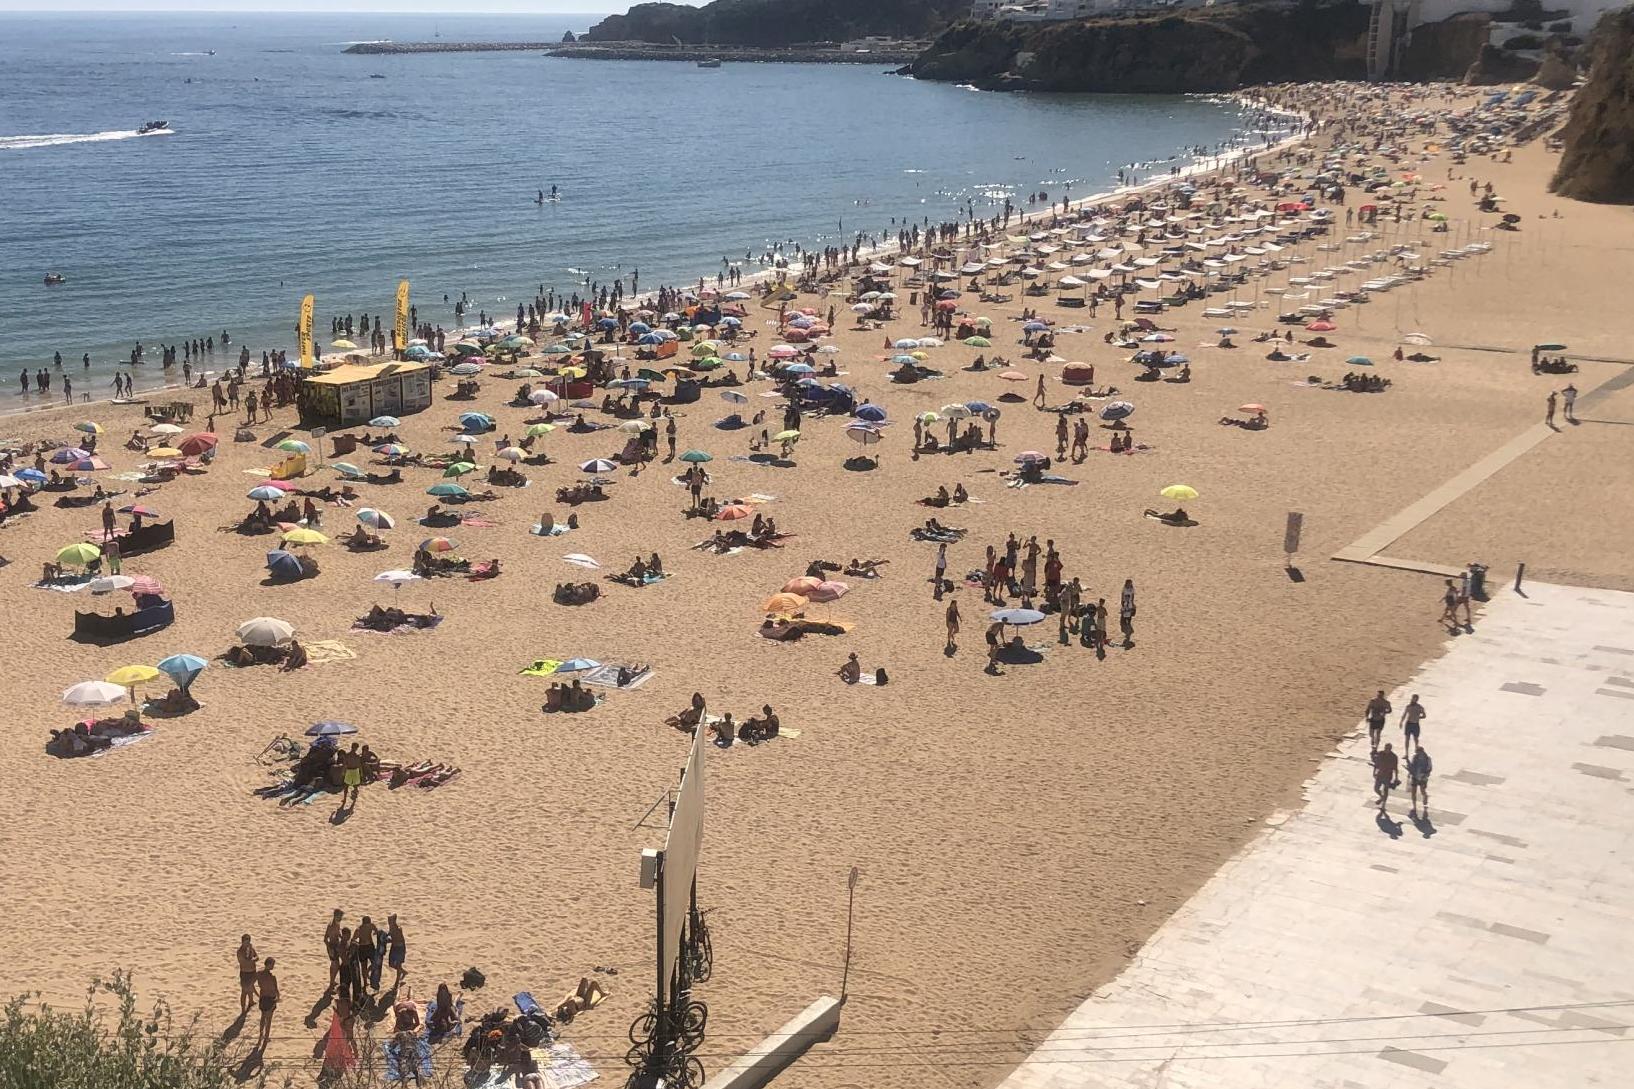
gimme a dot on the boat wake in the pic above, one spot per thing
(59, 139)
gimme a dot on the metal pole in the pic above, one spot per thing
(850, 905)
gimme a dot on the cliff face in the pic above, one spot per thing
(1447, 49)
(1598, 161)
(1211, 49)
(776, 23)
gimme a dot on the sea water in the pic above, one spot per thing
(292, 169)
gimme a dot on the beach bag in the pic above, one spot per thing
(880, 678)
(473, 979)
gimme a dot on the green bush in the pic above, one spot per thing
(45, 1048)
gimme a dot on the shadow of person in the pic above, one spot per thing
(230, 1033)
(1422, 822)
(1387, 825)
(247, 1070)
(318, 1007)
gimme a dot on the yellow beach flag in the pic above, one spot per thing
(303, 332)
(402, 316)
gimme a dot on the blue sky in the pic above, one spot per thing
(471, 7)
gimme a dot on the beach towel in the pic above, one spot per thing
(579, 559)
(323, 651)
(454, 1031)
(401, 1068)
(65, 586)
(607, 676)
(544, 667)
(562, 1067)
(555, 531)
(121, 742)
(646, 580)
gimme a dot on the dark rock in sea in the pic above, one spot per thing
(1597, 163)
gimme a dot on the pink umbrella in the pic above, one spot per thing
(1030, 455)
(803, 585)
(828, 591)
(146, 584)
(281, 485)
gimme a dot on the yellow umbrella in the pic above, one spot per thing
(342, 344)
(128, 677)
(1180, 493)
(164, 452)
(302, 536)
(572, 372)
(79, 553)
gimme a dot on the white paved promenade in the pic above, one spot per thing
(1489, 947)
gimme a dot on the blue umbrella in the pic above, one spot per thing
(33, 476)
(800, 368)
(69, 453)
(1175, 360)
(872, 413)
(1117, 410)
(283, 564)
(640, 327)
(904, 358)
(608, 323)
(731, 321)
(979, 408)
(574, 665)
(182, 668)
(330, 729)
(1034, 327)
(650, 339)
(476, 421)
(1017, 617)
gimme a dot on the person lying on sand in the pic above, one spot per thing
(1176, 517)
(864, 569)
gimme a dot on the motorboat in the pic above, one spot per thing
(153, 126)
(709, 62)
(55, 278)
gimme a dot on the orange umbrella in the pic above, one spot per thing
(1321, 326)
(732, 512)
(784, 603)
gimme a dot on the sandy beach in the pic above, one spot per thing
(1018, 836)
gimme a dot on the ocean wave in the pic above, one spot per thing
(59, 139)
(195, 53)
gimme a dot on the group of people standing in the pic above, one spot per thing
(357, 956)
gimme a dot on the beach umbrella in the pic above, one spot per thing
(467, 347)
(543, 397)
(1225, 330)
(802, 585)
(787, 436)
(107, 584)
(91, 464)
(906, 342)
(376, 519)
(265, 494)
(799, 368)
(165, 429)
(697, 457)
(1012, 376)
(437, 544)
(903, 358)
(829, 591)
(578, 665)
(284, 564)
(93, 694)
(1156, 338)
(861, 308)
(31, 475)
(1034, 327)
(146, 585)
(1180, 493)
(330, 729)
(198, 443)
(346, 468)
(459, 468)
(391, 449)
(343, 344)
(732, 396)
(978, 342)
(863, 433)
(476, 421)
(535, 430)
(183, 669)
(955, 411)
(397, 578)
(1540, 347)
(79, 554)
(733, 512)
(1359, 361)
(7, 481)
(929, 417)
(290, 446)
(635, 427)
(447, 490)
(784, 603)
(280, 486)
(1321, 326)
(464, 370)
(164, 452)
(511, 454)
(1016, 618)
(597, 465)
(979, 408)
(303, 536)
(1028, 456)
(265, 631)
(88, 427)
(1252, 407)
(871, 413)
(128, 677)
(385, 421)
(1117, 410)
(68, 454)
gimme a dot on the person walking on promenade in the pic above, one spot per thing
(1449, 605)
(1418, 783)
(1384, 773)
(1411, 716)
(1569, 397)
(1378, 709)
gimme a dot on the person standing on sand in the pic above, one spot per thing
(1549, 411)
(953, 624)
(333, 946)
(351, 763)
(941, 569)
(1126, 613)
(266, 986)
(1567, 395)
(396, 952)
(1378, 709)
(246, 975)
(1038, 397)
(1411, 717)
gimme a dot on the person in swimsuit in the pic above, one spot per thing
(266, 986)
(1384, 774)
(332, 946)
(397, 949)
(246, 975)
(351, 762)
(1411, 716)
(1418, 783)
(1378, 709)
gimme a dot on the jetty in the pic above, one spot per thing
(895, 54)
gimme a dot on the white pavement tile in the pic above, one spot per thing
(1490, 946)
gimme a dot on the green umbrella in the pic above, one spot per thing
(697, 457)
(459, 468)
(80, 553)
(978, 342)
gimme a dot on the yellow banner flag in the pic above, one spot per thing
(402, 316)
(303, 332)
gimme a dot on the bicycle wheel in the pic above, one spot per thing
(704, 956)
(694, 1018)
(643, 1027)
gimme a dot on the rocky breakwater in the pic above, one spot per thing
(1597, 160)
(1196, 51)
